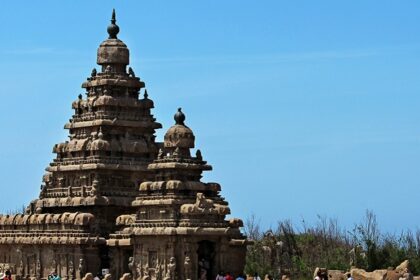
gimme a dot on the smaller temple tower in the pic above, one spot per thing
(179, 229)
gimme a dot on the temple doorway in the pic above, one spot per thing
(205, 254)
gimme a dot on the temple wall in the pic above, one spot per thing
(151, 256)
(38, 261)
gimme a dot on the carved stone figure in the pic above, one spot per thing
(198, 155)
(82, 268)
(131, 265)
(88, 276)
(160, 154)
(146, 273)
(171, 267)
(108, 69)
(38, 267)
(21, 268)
(95, 188)
(158, 272)
(139, 271)
(131, 72)
(70, 270)
(187, 268)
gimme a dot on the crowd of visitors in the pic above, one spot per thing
(6, 276)
(227, 276)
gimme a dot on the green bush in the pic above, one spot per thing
(297, 253)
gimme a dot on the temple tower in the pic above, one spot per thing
(111, 141)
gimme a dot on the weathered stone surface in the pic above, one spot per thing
(336, 275)
(399, 273)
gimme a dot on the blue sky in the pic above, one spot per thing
(303, 108)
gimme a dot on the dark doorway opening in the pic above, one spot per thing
(104, 257)
(205, 254)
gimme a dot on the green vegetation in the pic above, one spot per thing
(287, 250)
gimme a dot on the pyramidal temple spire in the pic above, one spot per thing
(113, 54)
(113, 29)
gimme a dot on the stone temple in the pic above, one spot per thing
(114, 199)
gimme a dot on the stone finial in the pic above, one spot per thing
(179, 117)
(94, 72)
(100, 134)
(176, 153)
(198, 155)
(80, 96)
(113, 29)
(108, 69)
(146, 95)
(131, 72)
(160, 154)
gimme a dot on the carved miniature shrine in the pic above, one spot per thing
(115, 199)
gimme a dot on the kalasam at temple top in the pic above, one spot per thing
(114, 200)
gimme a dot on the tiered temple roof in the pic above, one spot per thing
(111, 140)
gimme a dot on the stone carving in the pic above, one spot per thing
(146, 273)
(160, 154)
(107, 277)
(88, 276)
(82, 268)
(71, 270)
(38, 267)
(236, 223)
(131, 72)
(204, 206)
(126, 276)
(95, 188)
(157, 271)
(21, 268)
(204, 267)
(139, 270)
(94, 72)
(171, 267)
(187, 268)
(176, 153)
(108, 69)
(125, 220)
